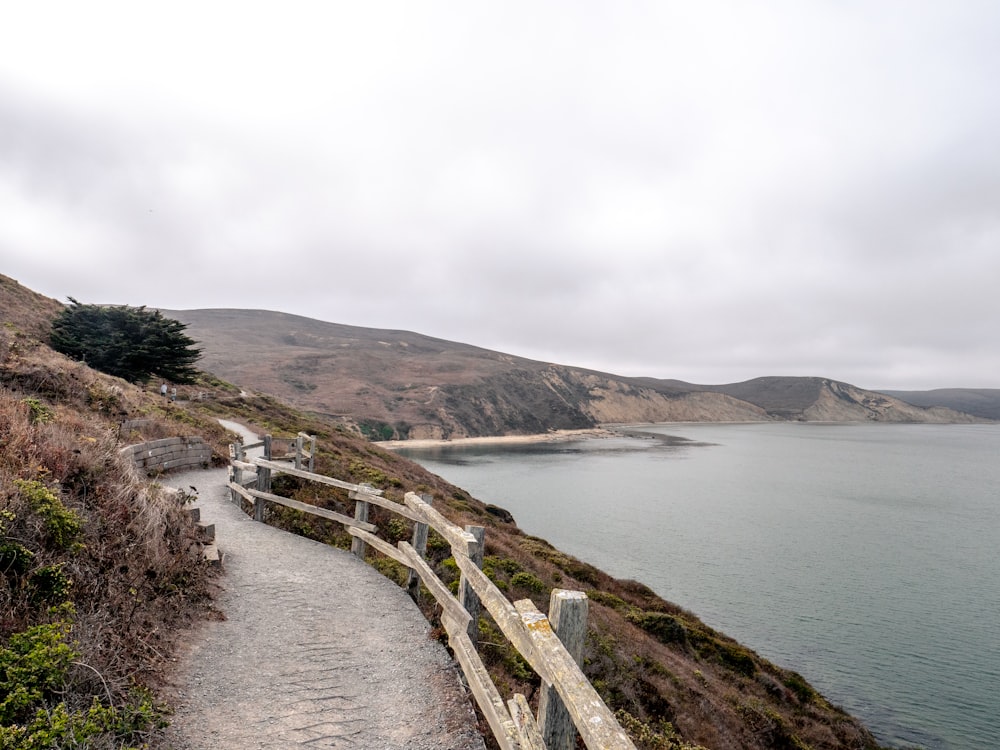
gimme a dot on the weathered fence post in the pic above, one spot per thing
(361, 508)
(312, 453)
(420, 545)
(235, 474)
(267, 447)
(466, 594)
(263, 479)
(568, 617)
(263, 485)
(298, 451)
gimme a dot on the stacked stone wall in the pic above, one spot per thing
(170, 454)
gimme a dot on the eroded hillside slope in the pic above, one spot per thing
(399, 384)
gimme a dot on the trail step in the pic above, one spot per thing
(210, 553)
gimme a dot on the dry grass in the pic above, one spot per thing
(134, 585)
(125, 579)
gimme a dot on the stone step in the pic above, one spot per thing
(210, 553)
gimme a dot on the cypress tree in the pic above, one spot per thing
(131, 342)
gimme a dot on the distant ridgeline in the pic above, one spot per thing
(399, 384)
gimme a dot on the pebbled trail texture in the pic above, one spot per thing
(317, 650)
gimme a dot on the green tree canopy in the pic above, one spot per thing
(131, 342)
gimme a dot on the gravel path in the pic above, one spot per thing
(317, 650)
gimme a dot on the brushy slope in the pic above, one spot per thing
(99, 579)
(97, 573)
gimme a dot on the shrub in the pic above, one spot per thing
(665, 628)
(367, 474)
(33, 668)
(59, 727)
(527, 581)
(62, 525)
(653, 735)
(797, 684)
(15, 558)
(39, 413)
(397, 529)
(609, 600)
(391, 569)
(737, 658)
(502, 563)
(50, 584)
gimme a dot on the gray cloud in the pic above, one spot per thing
(710, 192)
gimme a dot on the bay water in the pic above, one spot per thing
(864, 556)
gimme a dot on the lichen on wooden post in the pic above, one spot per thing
(568, 617)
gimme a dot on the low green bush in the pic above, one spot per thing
(665, 628)
(62, 525)
(33, 667)
(39, 413)
(50, 584)
(527, 581)
(34, 670)
(15, 558)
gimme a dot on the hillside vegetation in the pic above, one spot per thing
(99, 574)
(402, 385)
(96, 564)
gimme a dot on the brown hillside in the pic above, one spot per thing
(25, 310)
(671, 676)
(399, 384)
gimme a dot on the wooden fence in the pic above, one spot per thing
(552, 646)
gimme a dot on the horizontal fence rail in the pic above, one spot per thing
(552, 646)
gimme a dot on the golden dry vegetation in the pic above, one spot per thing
(129, 583)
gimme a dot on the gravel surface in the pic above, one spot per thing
(317, 649)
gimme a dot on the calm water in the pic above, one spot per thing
(863, 556)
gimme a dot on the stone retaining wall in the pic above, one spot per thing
(168, 454)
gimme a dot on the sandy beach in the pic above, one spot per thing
(553, 436)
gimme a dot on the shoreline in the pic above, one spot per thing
(611, 429)
(554, 436)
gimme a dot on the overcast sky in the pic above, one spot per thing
(710, 190)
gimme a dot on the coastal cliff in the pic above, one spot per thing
(402, 385)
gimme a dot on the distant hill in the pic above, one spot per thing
(405, 385)
(400, 384)
(980, 402)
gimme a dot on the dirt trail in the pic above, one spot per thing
(317, 650)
